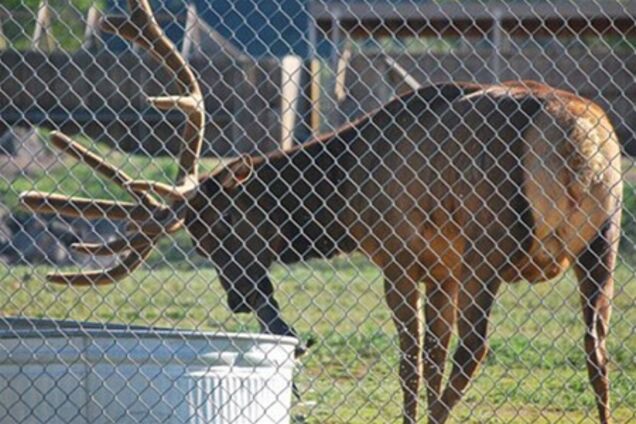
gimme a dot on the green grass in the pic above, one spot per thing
(535, 372)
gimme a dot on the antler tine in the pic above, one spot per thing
(180, 193)
(159, 224)
(72, 206)
(165, 222)
(79, 152)
(143, 29)
(138, 254)
(117, 246)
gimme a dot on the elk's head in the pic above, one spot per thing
(229, 228)
(206, 205)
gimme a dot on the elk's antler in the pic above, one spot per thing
(149, 219)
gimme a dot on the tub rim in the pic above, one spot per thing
(25, 327)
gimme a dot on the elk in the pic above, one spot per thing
(456, 187)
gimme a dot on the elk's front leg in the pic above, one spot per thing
(403, 297)
(441, 298)
(476, 298)
(250, 290)
(594, 270)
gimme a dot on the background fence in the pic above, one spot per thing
(276, 74)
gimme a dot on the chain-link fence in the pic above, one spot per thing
(314, 169)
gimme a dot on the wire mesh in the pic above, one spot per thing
(443, 251)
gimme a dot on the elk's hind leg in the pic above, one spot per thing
(476, 297)
(403, 297)
(441, 298)
(594, 270)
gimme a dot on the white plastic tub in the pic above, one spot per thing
(69, 372)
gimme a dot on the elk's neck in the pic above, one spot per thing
(304, 193)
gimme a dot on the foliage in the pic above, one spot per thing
(67, 20)
(13, 5)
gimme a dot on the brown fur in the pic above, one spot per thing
(460, 186)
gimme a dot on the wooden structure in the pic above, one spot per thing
(252, 105)
(372, 78)
(560, 18)
(104, 96)
(243, 91)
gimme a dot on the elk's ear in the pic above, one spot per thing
(237, 172)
